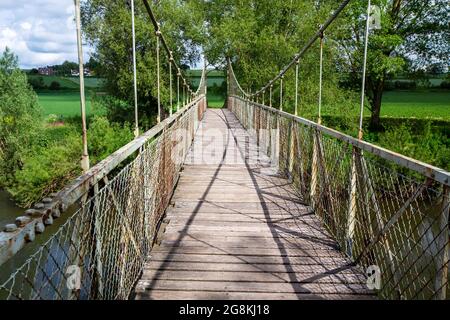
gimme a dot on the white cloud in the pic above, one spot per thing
(40, 32)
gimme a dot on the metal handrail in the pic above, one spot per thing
(432, 172)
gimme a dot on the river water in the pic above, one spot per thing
(8, 209)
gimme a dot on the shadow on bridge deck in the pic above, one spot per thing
(238, 230)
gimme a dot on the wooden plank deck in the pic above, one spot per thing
(238, 231)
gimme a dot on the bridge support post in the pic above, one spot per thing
(98, 290)
(314, 171)
(352, 207)
(367, 191)
(293, 137)
(441, 281)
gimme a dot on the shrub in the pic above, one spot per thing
(55, 85)
(37, 83)
(47, 169)
(425, 145)
(405, 85)
(445, 85)
(20, 118)
(106, 138)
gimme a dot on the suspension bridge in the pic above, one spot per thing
(247, 202)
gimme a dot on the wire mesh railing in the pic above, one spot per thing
(99, 251)
(389, 213)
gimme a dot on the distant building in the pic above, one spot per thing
(87, 72)
(76, 73)
(46, 71)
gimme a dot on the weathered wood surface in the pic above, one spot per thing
(237, 230)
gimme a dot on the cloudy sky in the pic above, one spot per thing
(40, 32)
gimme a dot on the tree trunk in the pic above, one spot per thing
(377, 98)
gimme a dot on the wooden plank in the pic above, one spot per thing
(179, 234)
(230, 258)
(308, 230)
(237, 217)
(286, 206)
(202, 295)
(242, 223)
(237, 230)
(305, 288)
(249, 267)
(277, 252)
(247, 207)
(250, 243)
(266, 277)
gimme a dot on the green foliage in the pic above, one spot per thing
(37, 83)
(9, 62)
(108, 28)
(54, 159)
(445, 85)
(426, 144)
(20, 117)
(47, 169)
(54, 85)
(106, 138)
(412, 31)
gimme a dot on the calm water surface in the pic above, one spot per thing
(8, 209)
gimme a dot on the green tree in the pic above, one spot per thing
(55, 85)
(20, 117)
(412, 30)
(262, 36)
(107, 26)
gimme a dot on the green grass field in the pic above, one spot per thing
(396, 104)
(215, 101)
(417, 104)
(70, 83)
(65, 104)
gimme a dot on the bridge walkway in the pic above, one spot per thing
(237, 230)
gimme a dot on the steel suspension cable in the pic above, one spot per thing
(320, 80)
(296, 87)
(162, 40)
(363, 89)
(281, 93)
(308, 45)
(271, 88)
(170, 83)
(85, 165)
(158, 33)
(178, 90)
(133, 31)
